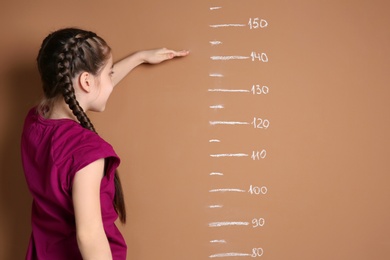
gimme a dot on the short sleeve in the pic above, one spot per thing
(83, 148)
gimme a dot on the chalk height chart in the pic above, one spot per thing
(233, 234)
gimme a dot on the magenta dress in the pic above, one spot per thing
(52, 152)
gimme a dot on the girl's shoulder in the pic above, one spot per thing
(82, 141)
(66, 137)
(81, 147)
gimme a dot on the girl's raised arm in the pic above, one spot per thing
(124, 66)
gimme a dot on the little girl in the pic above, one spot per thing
(70, 170)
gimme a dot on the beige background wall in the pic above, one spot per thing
(326, 169)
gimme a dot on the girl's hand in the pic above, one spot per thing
(160, 55)
(124, 66)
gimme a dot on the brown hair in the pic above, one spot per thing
(63, 55)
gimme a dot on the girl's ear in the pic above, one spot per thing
(86, 81)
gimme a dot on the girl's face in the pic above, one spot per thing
(103, 88)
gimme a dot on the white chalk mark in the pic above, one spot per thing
(229, 255)
(227, 190)
(214, 141)
(218, 241)
(228, 123)
(216, 75)
(215, 206)
(227, 90)
(215, 8)
(229, 155)
(224, 224)
(216, 173)
(217, 106)
(229, 57)
(215, 42)
(227, 25)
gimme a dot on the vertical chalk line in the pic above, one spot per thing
(217, 106)
(215, 206)
(218, 75)
(229, 155)
(218, 241)
(226, 223)
(227, 190)
(232, 57)
(227, 90)
(228, 123)
(227, 25)
(215, 42)
(232, 254)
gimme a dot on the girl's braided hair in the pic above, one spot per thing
(63, 55)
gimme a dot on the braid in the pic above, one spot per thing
(66, 60)
(63, 55)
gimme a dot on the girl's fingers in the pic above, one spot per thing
(182, 53)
